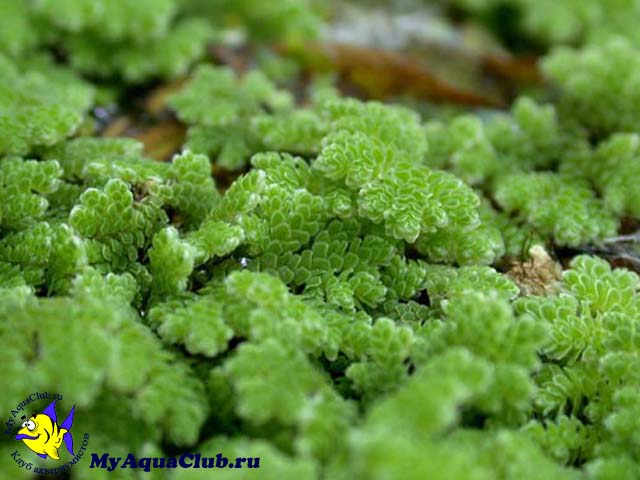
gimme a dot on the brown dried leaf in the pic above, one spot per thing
(162, 141)
(382, 74)
(238, 58)
(156, 102)
(517, 69)
(117, 127)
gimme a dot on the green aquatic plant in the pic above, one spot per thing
(338, 286)
(148, 39)
(225, 130)
(599, 84)
(39, 106)
(567, 22)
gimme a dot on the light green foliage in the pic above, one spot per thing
(299, 132)
(567, 22)
(119, 220)
(592, 343)
(39, 106)
(404, 278)
(146, 39)
(447, 283)
(426, 405)
(113, 20)
(464, 454)
(222, 107)
(10, 279)
(324, 423)
(249, 114)
(134, 436)
(214, 238)
(463, 146)
(24, 185)
(169, 56)
(393, 125)
(216, 86)
(115, 224)
(282, 219)
(29, 249)
(250, 305)
(133, 367)
(120, 289)
(564, 439)
(338, 306)
(131, 40)
(56, 321)
(102, 213)
(417, 426)
(174, 399)
(290, 21)
(599, 84)
(480, 243)
(260, 308)
(347, 274)
(15, 297)
(97, 160)
(171, 262)
(272, 381)
(379, 174)
(17, 33)
(188, 187)
(477, 151)
(614, 169)
(517, 237)
(529, 138)
(487, 327)
(197, 323)
(286, 214)
(558, 207)
(383, 366)
(114, 347)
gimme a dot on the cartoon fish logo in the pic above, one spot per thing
(42, 434)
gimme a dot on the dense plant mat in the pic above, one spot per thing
(224, 230)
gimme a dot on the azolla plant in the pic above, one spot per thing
(349, 299)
